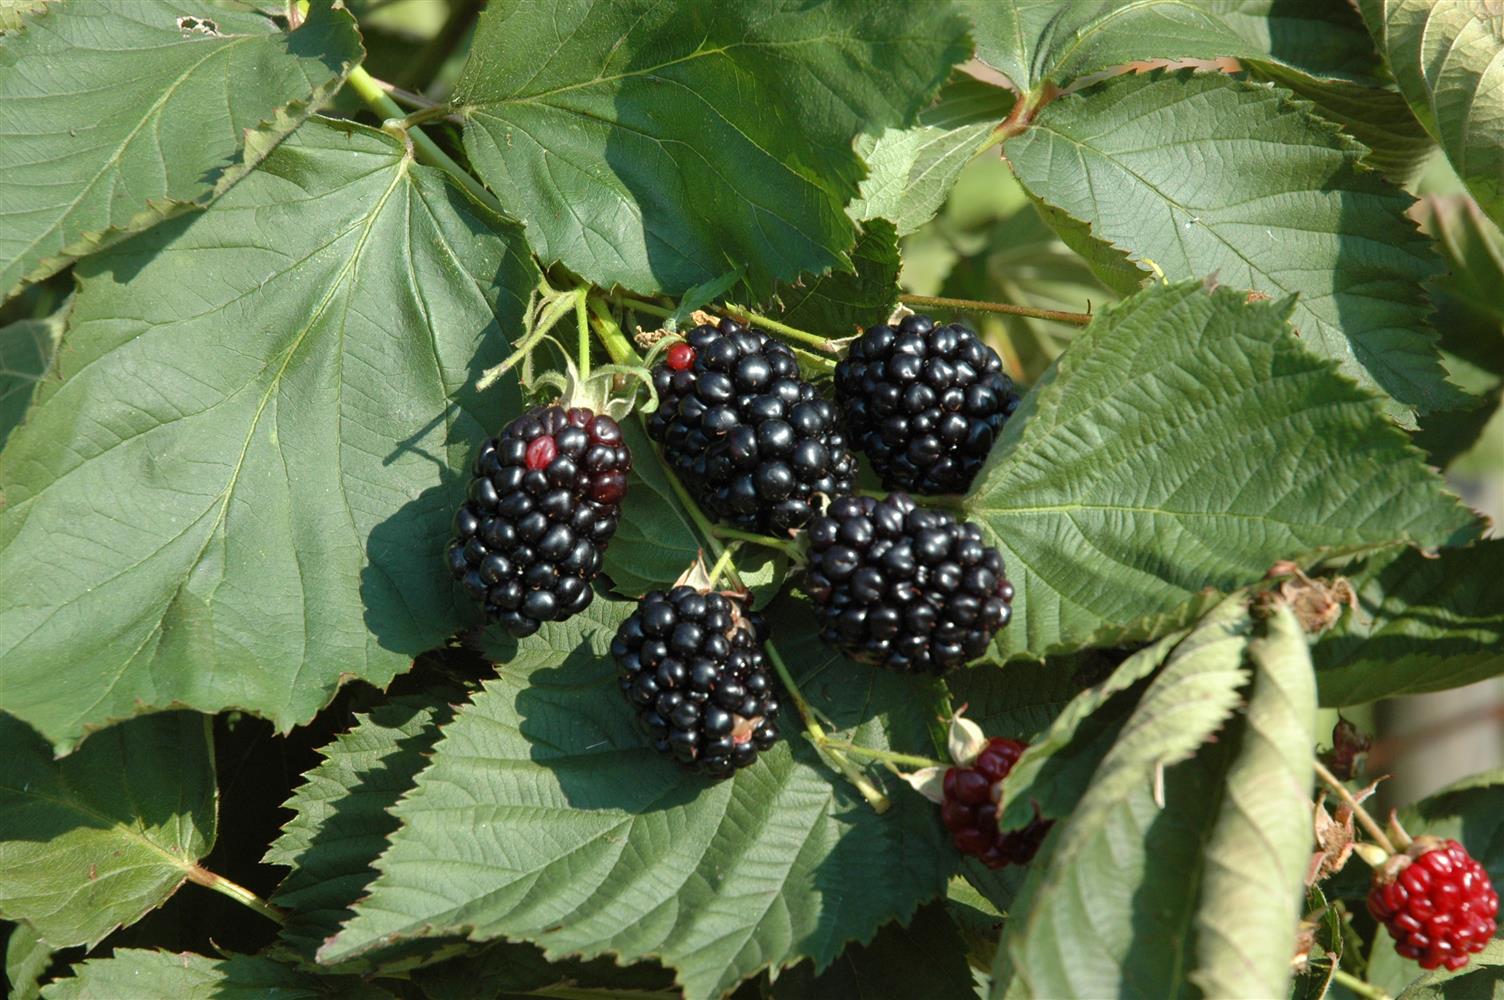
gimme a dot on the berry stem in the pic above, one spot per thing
(1364, 819)
(722, 564)
(748, 316)
(788, 547)
(582, 315)
(973, 305)
(823, 743)
(637, 305)
(1358, 986)
(369, 90)
(202, 876)
(887, 756)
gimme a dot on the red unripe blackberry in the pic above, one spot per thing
(691, 665)
(544, 502)
(1436, 901)
(753, 442)
(969, 809)
(924, 403)
(904, 587)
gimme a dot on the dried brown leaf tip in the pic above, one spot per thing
(1316, 601)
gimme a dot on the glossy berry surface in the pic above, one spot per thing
(751, 440)
(543, 503)
(905, 587)
(969, 810)
(1439, 905)
(924, 403)
(691, 665)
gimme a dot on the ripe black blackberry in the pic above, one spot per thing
(905, 587)
(924, 402)
(544, 502)
(692, 666)
(751, 439)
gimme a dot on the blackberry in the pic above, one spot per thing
(544, 502)
(924, 402)
(1436, 901)
(905, 587)
(692, 666)
(751, 440)
(970, 806)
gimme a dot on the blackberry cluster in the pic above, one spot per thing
(1437, 902)
(905, 587)
(924, 402)
(969, 810)
(751, 439)
(692, 666)
(544, 502)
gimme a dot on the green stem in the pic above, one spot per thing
(889, 756)
(202, 876)
(637, 305)
(1364, 820)
(1008, 309)
(823, 743)
(788, 546)
(1358, 986)
(722, 564)
(748, 316)
(369, 90)
(412, 100)
(427, 114)
(582, 315)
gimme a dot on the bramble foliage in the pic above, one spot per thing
(259, 308)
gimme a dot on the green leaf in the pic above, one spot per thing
(510, 969)
(1054, 771)
(1039, 41)
(1423, 624)
(656, 538)
(1186, 441)
(94, 841)
(840, 304)
(1378, 117)
(575, 834)
(137, 974)
(1252, 891)
(1112, 913)
(1466, 811)
(1448, 61)
(912, 170)
(1482, 977)
(239, 492)
(121, 113)
(26, 349)
(925, 958)
(657, 145)
(1210, 176)
(26, 959)
(342, 818)
(1469, 307)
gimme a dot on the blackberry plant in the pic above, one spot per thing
(905, 587)
(545, 500)
(1078, 404)
(754, 442)
(924, 403)
(692, 667)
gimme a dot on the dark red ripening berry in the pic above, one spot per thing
(691, 664)
(680, 356)
(969, 809)
(543, 504)
(1437, 902)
